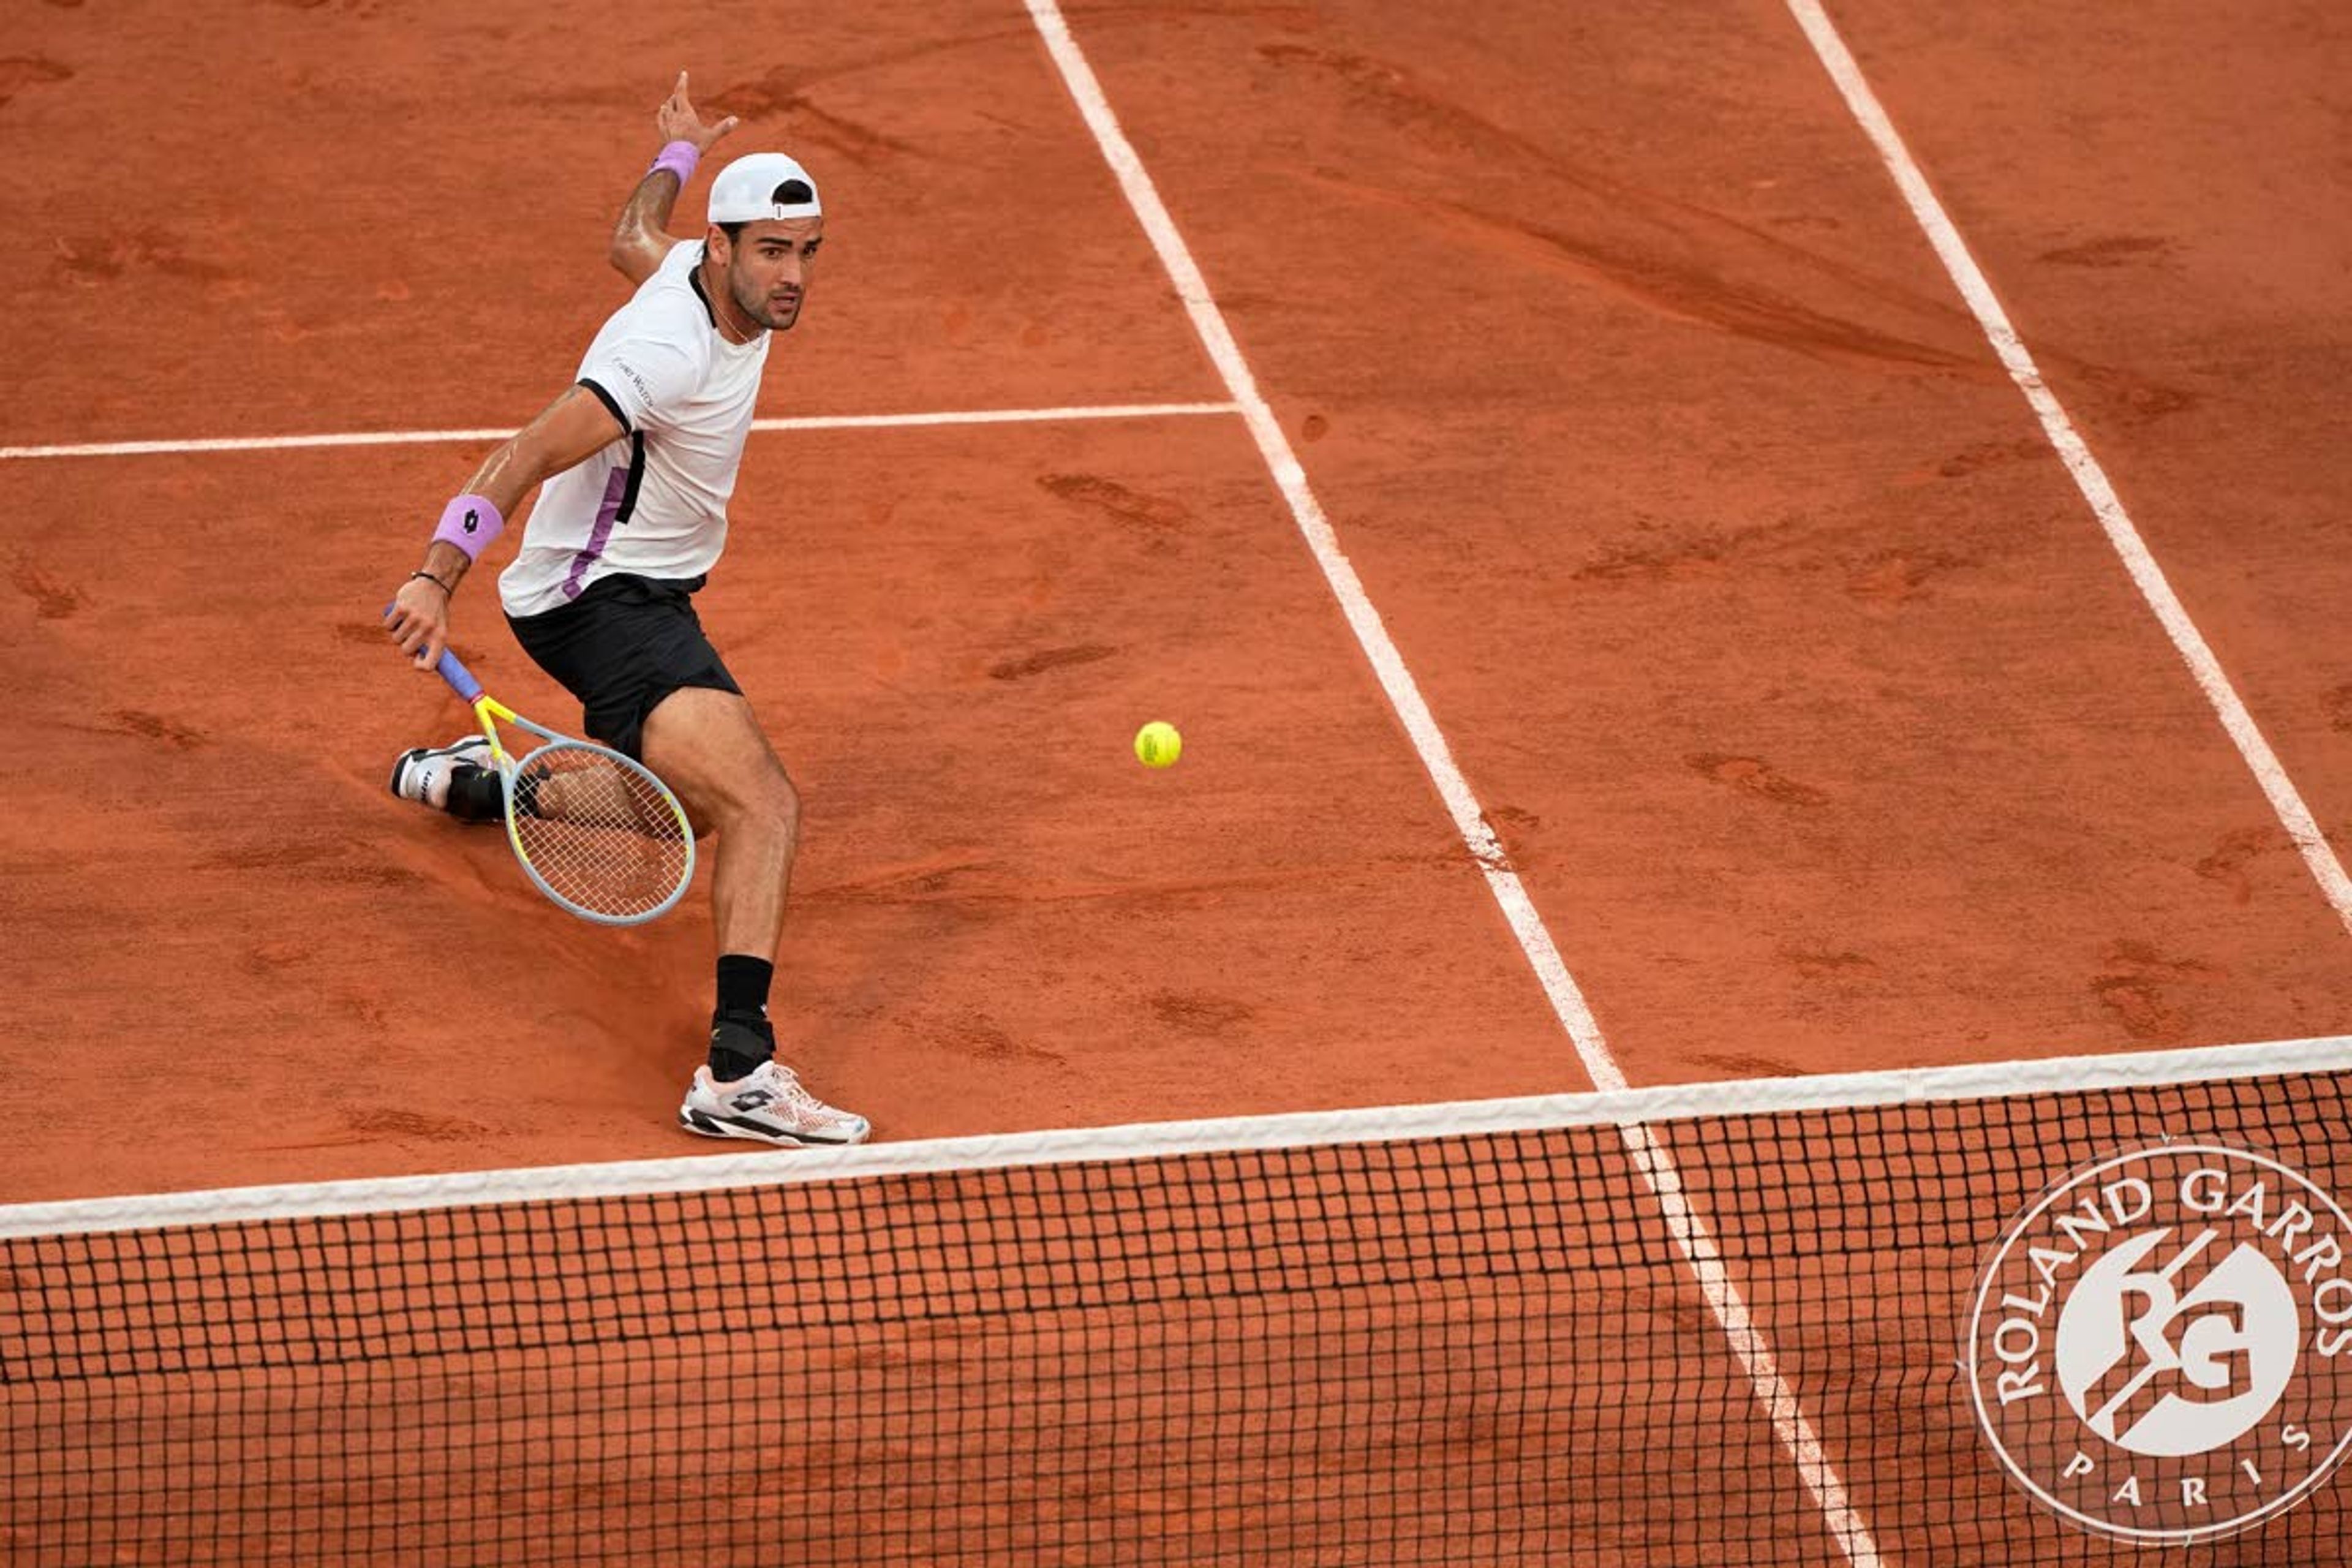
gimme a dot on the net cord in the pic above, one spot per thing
(1630, 1109)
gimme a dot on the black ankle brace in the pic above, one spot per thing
(476, 794)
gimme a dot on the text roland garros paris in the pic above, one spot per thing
(2160, 1348)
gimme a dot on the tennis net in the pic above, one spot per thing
(1726, 1323)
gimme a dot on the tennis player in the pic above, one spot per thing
(639, 458)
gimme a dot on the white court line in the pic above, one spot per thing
(2286, 802)
(1689, 1231)
(811, 422)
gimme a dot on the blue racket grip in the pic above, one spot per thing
(461, 679)
(453, 670)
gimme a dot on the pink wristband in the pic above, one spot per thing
(469, 522)
(680, 158)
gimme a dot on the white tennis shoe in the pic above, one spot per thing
(422, 773)
(768, 1105)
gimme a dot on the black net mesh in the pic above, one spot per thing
(1478, 1349)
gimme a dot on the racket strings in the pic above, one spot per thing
(600, 833)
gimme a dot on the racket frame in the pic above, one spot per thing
(489, 714)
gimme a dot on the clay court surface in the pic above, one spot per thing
(1821, 721)
(1794, 673)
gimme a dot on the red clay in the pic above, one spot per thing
(1824, 724)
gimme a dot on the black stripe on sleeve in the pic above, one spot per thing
(610, 407)
(637, 473)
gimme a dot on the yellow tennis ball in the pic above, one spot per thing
(1158, 745)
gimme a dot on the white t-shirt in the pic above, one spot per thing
(653, 502)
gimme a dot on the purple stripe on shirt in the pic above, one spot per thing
(616, 485)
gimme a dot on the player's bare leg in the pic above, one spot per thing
(460, 779)
(567, 786)
(710, 748)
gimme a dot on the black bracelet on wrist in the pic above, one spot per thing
(437, 581)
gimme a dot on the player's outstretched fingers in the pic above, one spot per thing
(679, 120)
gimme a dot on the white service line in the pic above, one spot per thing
(1275, 448)
(1650, 1156)
(810, 422)
(2286, 802)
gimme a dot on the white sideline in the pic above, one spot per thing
(807, 422)
(2286, 802)
(1689, 1231)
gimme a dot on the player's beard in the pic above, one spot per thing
(755, 303)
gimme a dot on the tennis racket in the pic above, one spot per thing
(594, 830)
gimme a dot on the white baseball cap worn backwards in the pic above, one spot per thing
(763, 185)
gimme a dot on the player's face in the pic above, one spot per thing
(768, 270)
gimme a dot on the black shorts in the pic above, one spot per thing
(620, 649)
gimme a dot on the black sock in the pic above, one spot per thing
(476, 794)
(743, 983)
(740, 1038)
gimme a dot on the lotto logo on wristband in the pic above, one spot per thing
(469, 522)
(2161, 1347)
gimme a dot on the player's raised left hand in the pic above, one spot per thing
(678, 121)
